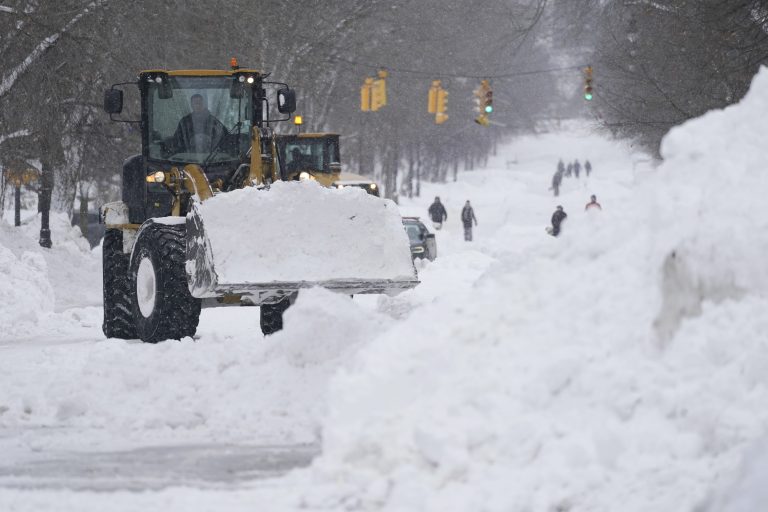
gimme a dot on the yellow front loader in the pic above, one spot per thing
(209, 217)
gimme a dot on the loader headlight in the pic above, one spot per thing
(304, 176)
(339, 186)
(417, 250)
(372, 186)
(157, 177)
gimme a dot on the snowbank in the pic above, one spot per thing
(25, 293)
(621, 366)
(234, 388)
(300, 231)
(35, 283)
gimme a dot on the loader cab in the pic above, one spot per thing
(206, 119)
(309, 156)
(199, 119)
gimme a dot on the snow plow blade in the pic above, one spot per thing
(268, 244)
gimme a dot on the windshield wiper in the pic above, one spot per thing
(218, 145)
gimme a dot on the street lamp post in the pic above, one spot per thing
(18, 175)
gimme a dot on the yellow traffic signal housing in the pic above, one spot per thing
(378, 94)
(365, 95)
(442, 101)
(482, 120)
(440, 118)
(432, 97)
(379, 90)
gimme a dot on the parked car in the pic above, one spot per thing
(422, 241)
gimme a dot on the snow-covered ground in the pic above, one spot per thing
(621, 366)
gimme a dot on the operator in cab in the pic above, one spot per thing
(199, 131)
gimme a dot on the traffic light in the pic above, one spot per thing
(373, 93)
(442, 101)
(488, 102)
(432, 97)
(365, 95)
(442, 106)
(379, 91)
(437, 102)
(588, 83)
(483, 102)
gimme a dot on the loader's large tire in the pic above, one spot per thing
(271, 316)
(162, 305)
(118, 302)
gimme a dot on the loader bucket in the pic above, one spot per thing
(270, 243)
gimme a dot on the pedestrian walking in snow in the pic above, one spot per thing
(568, 170)
(587, 168)
(437, 213)
(576, 168)
(561, 166)
(467, 218)
(557, 178)
(593, 203)
(557, 219)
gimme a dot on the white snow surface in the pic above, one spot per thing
(300, 231)
(38, 288)
(620, 366)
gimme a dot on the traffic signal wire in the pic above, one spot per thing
(457, 75)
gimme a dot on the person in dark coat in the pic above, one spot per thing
(557, 219)
(199, 131)
(557, 178)
(587, 168)
(568, 170)
(437, 213)
(576, 168)
(560, 166)
(467, 218)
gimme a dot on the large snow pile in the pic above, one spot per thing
(25, 292)
(35, 282)
(300, 231)
(621, 366)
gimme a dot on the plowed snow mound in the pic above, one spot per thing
(35, 282)
(300, 231)
(621, 366)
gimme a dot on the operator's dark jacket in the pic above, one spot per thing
(468, 216)
(437, 212)
(184, 138)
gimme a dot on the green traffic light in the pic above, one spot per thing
(488, 109)
(588, 96)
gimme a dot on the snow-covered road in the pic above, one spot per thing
(623, 365)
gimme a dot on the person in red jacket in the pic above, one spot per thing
(593, 203)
